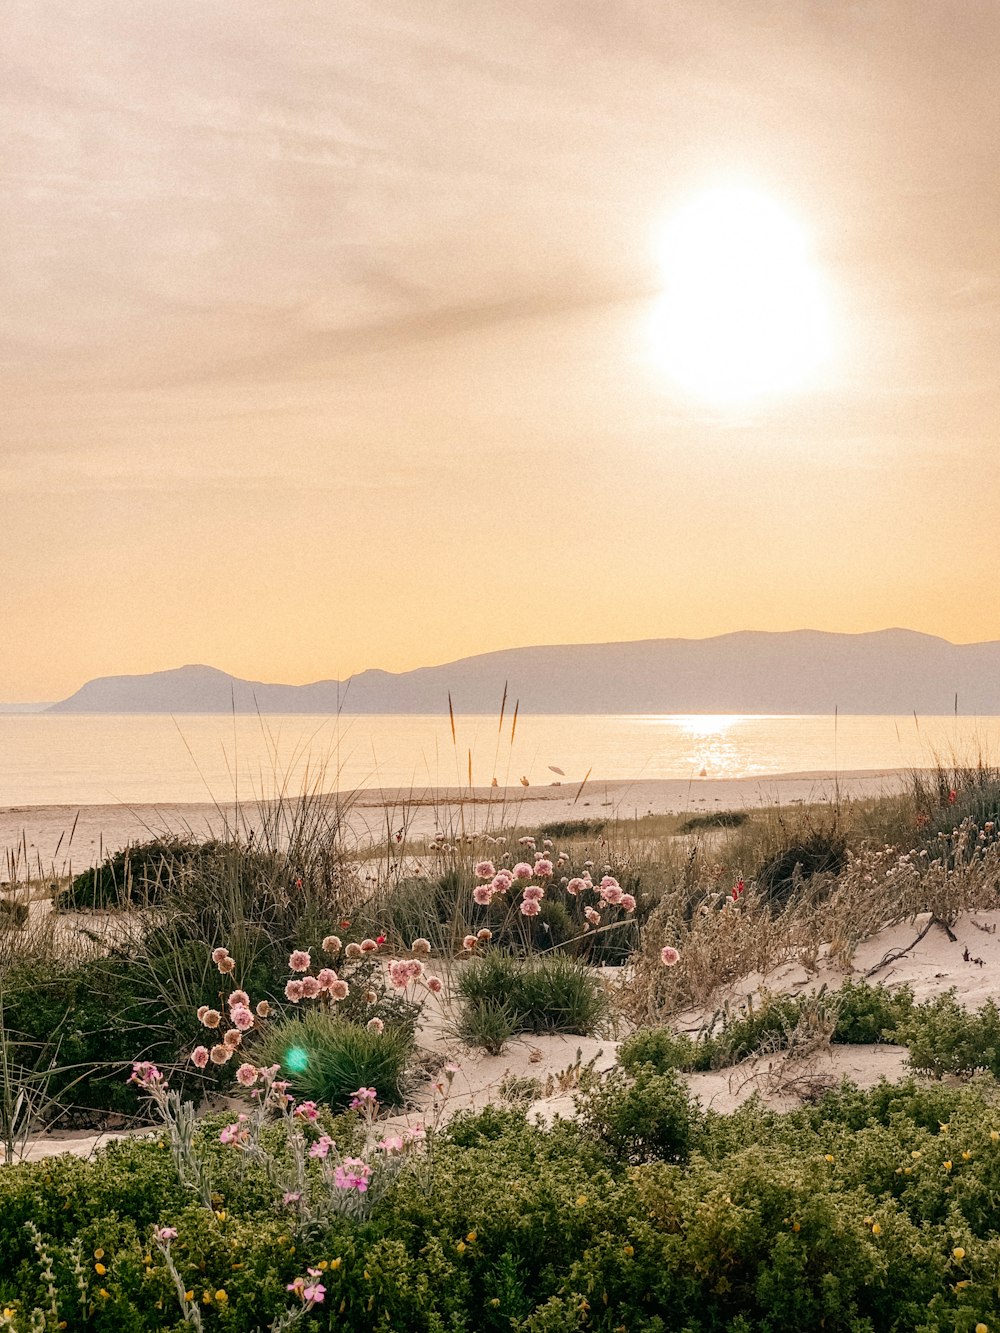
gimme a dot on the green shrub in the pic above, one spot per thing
(572, 828)
(714, 819)
(818, 852)
(866, 1014)
(943, 1038)
(549, 993)
(139, 873)
(326, 1059)
(660, 1048)
(650, 1117)
(489, 1023)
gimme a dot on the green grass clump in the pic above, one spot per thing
(943, 1038)
(326, 1059)
(549, 993)
(572, 828)
(715, 819)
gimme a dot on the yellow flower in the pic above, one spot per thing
(98, 1254)
(828, 1157)
(189, 1295)
(471, 1238)
(959, 1254)
(105, 1294)
(460, 1247)
(100, 1270)
(206, 1298)
(995, 1136)
(907, 1170)
(629, 1251)
(966, 1156)
(947, 1166)
(221, 1296)
(796, 1227)
(581, 1199)
(943, 1128)
(915, 1155)
(221, 1215)
(335, 1264)
(876, 1229)
(982, 1328)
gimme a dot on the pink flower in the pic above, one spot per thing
(375, 1025)
(484, 936)
(313, 1293)
(331, 944)
(263, 1008)
(165, 1234)
(227, 965)
(522, 870)
(299, 960)
(628, 902)
(435, 985)
(202, 1011)
(469, 943)
(293, 991)
(534, 891)
(231, 1134)
(232, 1039)
(669, 956)
(362, 1098)
(306, 1111)
(485, 870)
(218, 955)
(502, 881)
(238, 997)
(482, 894)
(352, 1174)
(322, 1147)
(543, 868)
(339, 990)
(576, 886)
(612, 894)
(420, 945)
(246, 1075)
(399, 973)
(394, 1143)
(211, 1018)
(291, 1196)
(353, 951)
(199, 1056)
(220, 1054)
(310, 988)
(592, 915)
(241, 1017)
(369, 946)
(326, 977)
(415, 968)
(609, 882)
(526, 842)
(530, 907)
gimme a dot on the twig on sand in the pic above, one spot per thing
(893, 956)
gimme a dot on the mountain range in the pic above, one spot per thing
(798, 671)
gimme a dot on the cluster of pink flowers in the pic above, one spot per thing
(471, 942)
(324, 983)
(500, 882)
(146, 1075)
(242, 1019)
(403, 971)
(352, 1174)
(309, 1289)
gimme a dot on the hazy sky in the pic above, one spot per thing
(325, 328)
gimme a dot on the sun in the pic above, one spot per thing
(745, 312)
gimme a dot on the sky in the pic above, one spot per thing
(327, 332)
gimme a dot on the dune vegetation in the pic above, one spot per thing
(346, 1075)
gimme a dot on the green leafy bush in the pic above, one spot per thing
(650, 1117)
(326, 1059)
(715, 819)
(944, 1038)
(867, 1014)
(139, 873)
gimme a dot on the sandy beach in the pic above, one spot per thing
(58, 837)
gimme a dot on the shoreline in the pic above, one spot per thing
(58, 837)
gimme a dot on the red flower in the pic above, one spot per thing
(379, 939)
(952, 796)
(738, 888)
(345, 925)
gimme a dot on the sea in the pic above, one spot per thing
(62, 759)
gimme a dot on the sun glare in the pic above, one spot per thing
(744, 312)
